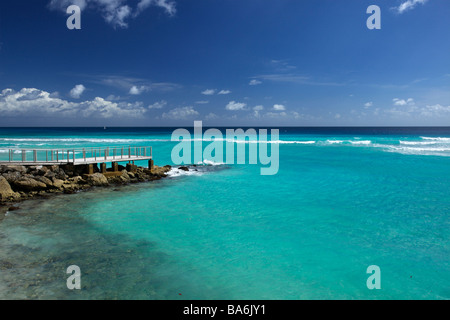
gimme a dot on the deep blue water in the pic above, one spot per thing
(342, 200)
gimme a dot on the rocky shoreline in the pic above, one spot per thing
(19, 183)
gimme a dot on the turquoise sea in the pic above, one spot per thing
(344, 199)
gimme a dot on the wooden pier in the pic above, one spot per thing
(76, 157)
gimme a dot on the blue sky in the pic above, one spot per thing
(226, 62)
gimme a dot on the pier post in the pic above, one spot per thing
(115, 166)
(90, 168)
(103, 167)
(131, 167)
(151, 164)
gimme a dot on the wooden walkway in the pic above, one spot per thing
(84, 156)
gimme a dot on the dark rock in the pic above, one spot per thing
(6, 192)
(12, 176)
(57, 183)
(27, 183)
(20, 169)
(97, 179)
(47, 181)
(42, 171)
(183, 168)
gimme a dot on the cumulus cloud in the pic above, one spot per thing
(33, 102)
(255, 82)
(368, 104)
(102, 108)
(158, 105)
(408, 5)
(235, 106)
(77, 91)
(209, 92)
(135, 90)
(180, 113)
(436, 111)
(211, 116)
(256, 110)
(402, 102)
(276, 114)
(279, 107)
(224, 92)
(115, 12)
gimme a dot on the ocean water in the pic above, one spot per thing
(344, 199)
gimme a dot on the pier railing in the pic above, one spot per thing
(76, 156)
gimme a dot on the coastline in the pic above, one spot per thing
(21, 183)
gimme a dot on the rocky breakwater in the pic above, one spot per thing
(18, 183)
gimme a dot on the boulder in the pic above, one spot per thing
(12, 176)
(20, 169)
(57, 183)
(184, 169)
(42, 171)
(28, 184)
(6, 193)
(47, 181)
(97, 179)
(159, 171)
(125, 177)
(77, 180)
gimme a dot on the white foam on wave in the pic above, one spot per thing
(412, 150)
(436, 139)
(418, 143)
(211, 163)
(335, 141)
(363, 142)
(99, 140)
(175, 172)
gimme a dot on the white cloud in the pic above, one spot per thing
(437, 111)
(209, 92)
(102, 108)
(211, 116)
(115, 12)
(368, 104)
(256, 110)
(158, 105)
(276, 114)
(224, 92)
(255, 82)
(402, 102)
(279, 107)
(112, 97)
(77, 91)
(408, 5)
(235, 106)
(135, 90)
(180, 113)
(169, 6)
(33, 102)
